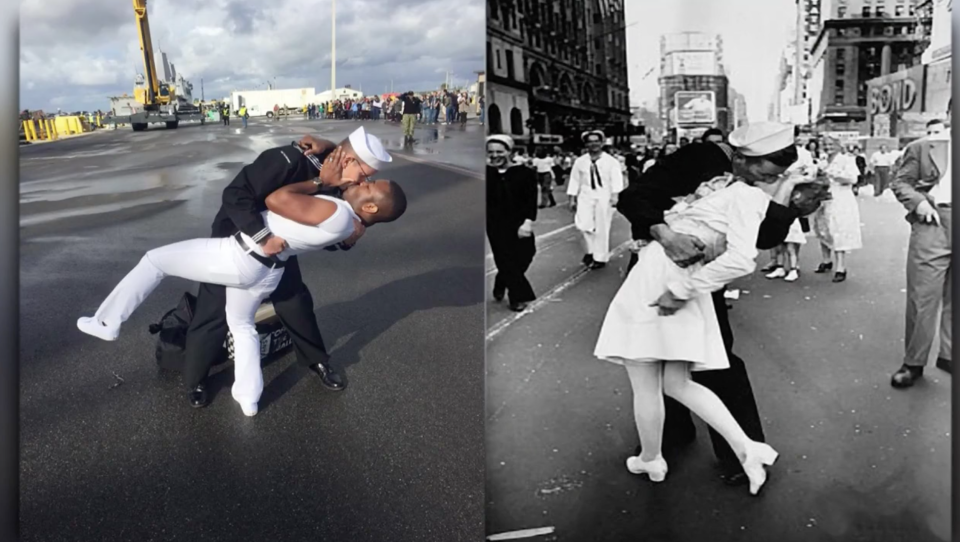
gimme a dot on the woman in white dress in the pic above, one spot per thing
(662, 323)
(837, 222)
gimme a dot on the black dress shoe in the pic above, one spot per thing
(198, 396)
(906, 376)
(840, 276)
(824, 267)
(328, 377)
(587, 259)
(597, 265)
(518, 307)
(498, 295)
(945, 365)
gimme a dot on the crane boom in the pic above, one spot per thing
(146, 48)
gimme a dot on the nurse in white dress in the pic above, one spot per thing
(837, 222)
(662, 324)
(305, 221)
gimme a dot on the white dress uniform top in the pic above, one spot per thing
(222, 261)
(727, 221)
(594, 184)
(726, 216)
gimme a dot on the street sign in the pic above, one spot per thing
(695, 107)
(547, 139)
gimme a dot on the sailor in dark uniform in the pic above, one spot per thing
(243, 201)
(643, 204)
(512, 193)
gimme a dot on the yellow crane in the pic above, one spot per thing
(157, 99)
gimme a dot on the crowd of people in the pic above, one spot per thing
(700, 213)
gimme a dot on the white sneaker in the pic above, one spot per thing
(656, 469)
(249, 410)
(777, 273)
(92, 326)
(792, 275)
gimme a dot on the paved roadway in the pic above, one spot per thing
(110, 448)
(859, 460)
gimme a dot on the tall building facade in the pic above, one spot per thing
(859, 40)
(692, 63)
(556, 68)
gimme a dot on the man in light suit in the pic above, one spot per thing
(923, 185)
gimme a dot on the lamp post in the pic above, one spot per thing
(333, 48)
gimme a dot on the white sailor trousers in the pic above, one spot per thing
(213, 261)
(593, 219)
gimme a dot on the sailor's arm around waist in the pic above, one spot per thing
(296, 202)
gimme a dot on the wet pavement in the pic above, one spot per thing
(110, 448)
(860, 461)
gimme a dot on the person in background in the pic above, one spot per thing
(924, 188)
(244, 116)
(882, 161)
(784, 259)
(837, 221)
(713, 135)
(595, 184)
(545, 178)
(511, 213)
(411, 108)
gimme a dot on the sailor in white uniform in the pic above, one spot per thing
(305, 221)
(595, 182)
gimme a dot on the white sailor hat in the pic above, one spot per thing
(369, 149)
(762, 138)
(589, 133)
(506, 140)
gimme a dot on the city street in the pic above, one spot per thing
(110, 448)
(859, 460)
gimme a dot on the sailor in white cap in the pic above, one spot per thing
(758, 152)
(596, 179)
(305, 220)
(244, 198)
(511, 212)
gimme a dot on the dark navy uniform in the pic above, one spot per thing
(243, 201)
(643, 204)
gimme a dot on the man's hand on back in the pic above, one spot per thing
(273, 245)
(314, 145)
(684, 250)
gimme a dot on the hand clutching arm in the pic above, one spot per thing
(745, 211)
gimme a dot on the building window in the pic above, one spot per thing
(511, 69)
(880, 12)
(841, 70)
(838, 98)
(499, 61)
(841, 11)
(866, 11)
(516, 122)
(898, 11)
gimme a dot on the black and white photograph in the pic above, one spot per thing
(251, 283)
(718, 270)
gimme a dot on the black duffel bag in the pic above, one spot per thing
(172, 331)
(172, 334)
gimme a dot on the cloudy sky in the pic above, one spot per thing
(754, 36)
(75, 54)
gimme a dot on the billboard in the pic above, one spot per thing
(688, 41)
(690, 63)
(695, 107)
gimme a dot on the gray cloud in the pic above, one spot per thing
(77, 53)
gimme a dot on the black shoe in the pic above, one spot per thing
(518, 307)
(587, 259)
(498, 296)
(198, 396)
(597, 265)
(945, 365)
(328, 377)
(906, 376)
(840, 276)
(824, 267)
